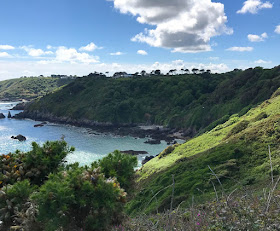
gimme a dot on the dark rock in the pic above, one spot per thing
(9, 115)
(19, 106)
(2, 116)
(134, 153)
(151, 141)
(147, 158)
(19, 137)
(38, 125)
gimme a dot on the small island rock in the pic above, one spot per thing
(19, 137)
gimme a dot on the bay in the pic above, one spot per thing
(89, 145)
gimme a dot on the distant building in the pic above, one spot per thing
(122, 75)
(64, 76)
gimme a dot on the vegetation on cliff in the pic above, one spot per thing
(194, 101)
(30, 87)
(237, 151)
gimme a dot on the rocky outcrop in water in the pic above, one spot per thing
(40, 124)
(2, 116)
(134, 153)
(19, 137)
(9, 115)
(152, 141)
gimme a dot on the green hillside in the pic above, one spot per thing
(237, 151)
(30, 87)
(192, 102)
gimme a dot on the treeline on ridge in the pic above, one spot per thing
(193, 102)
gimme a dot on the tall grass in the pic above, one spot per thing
(243, 209)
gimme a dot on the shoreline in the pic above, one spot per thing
(155, 133)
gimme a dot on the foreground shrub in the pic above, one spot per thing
(35, 165)
(13, 199)
(118, 165)
(79, 198)
(41, 161)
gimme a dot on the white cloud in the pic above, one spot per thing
(257, 38)
(89, 47)
(142, 52)
(240, 49)
(31, 68)
(254, 6)
(183, 25)
(49, 47)
(277, 29)
(64, 54)
(260, 61)
(4, 55)
(6, 47)
(35, 52)
(117, 53)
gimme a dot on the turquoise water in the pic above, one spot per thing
(89, 147)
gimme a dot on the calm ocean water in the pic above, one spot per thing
(89, 145)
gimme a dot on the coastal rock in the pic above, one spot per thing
(19, 137)
(19, 106)
(9, 115)
(134, 153)
(39, 125)
(2, 116)
(147, 158)
(151, 141)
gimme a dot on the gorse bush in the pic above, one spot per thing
(37, 190)
(41, 161)
(35, 165)
(79, 198)
(13, 198)
(118, 165)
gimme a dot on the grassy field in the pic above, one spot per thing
(29, 88)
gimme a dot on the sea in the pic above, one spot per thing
(89, 144)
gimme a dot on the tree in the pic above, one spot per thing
(195, 70)
(201, 71)
(157, 72)
(143, 73)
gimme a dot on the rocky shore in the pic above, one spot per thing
(155, 133)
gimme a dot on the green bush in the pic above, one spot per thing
(238, 128)
(41, 161)
(118, 165)
(35, 165)
(12, 200)
(261, 116)
(79, 198)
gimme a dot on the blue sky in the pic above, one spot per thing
(79, 37)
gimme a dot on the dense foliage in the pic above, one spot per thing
(79, 198)
(176, 101)
(38, 191)
(118, 165)
(29, 88)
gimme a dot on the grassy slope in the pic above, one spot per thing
(29, 88)
(238, 155)
(176, 101)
